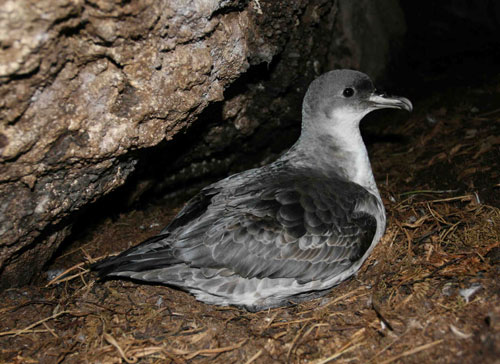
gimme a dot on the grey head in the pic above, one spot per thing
(341, 98)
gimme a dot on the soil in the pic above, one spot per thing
(429, 293)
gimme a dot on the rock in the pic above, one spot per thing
(84, 84)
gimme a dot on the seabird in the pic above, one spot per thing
(285, 232)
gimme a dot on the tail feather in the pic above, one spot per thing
(136, 259)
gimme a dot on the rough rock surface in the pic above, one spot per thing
(84, 84)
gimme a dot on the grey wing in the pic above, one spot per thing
(308, 230)
(278, 226)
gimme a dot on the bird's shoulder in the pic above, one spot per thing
(282, 184)
(271, 189)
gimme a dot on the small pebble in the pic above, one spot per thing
(431, 119)
(53, 273)
(466, 293)
(159, 301)
(459, 333)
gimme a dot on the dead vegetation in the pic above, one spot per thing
(429, 293)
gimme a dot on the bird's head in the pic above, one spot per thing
(341, 98)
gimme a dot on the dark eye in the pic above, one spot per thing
(348, 92)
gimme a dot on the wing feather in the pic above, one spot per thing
(265, 223)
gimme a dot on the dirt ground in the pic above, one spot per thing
(429, 293)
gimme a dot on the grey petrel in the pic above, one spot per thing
(285, 232)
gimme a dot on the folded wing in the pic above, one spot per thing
(262, 224)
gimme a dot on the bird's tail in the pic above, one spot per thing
(150, 254)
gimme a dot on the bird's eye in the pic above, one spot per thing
(348, 92)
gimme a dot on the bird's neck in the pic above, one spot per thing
(340, 150)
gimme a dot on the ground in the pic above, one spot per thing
(429, 293)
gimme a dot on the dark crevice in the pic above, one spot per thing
(71, 31)
(92, 5)
(230, 9)
(31, 265)
(20, 76)
(20, 116)
(114, 62)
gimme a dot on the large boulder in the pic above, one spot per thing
(84, 85)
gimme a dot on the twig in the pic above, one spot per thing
(254, 357)
(59, 276)
(437, 216)
(270, 321)
(379, 315)
(294, 341)
(448, 230)
(457, 198)
(412, 351)
(68, 278)
(488, 113)
(426, 235)
(351, 345)
(34, 331)
(337, 299)
(75, 250)
(143, 352)
(27, 303)
(216, 350)
(59, 279)
(278, 324)
(386, 347)
(110, 339)
(409, 239)
(337, 354)
(417, 223)
(50, 330)
(442, 266)
(418, 192)
(26, 329)
(313, 327)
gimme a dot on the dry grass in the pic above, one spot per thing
(429, 293)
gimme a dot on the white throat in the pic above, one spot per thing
(355, 158)
(340, 133)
